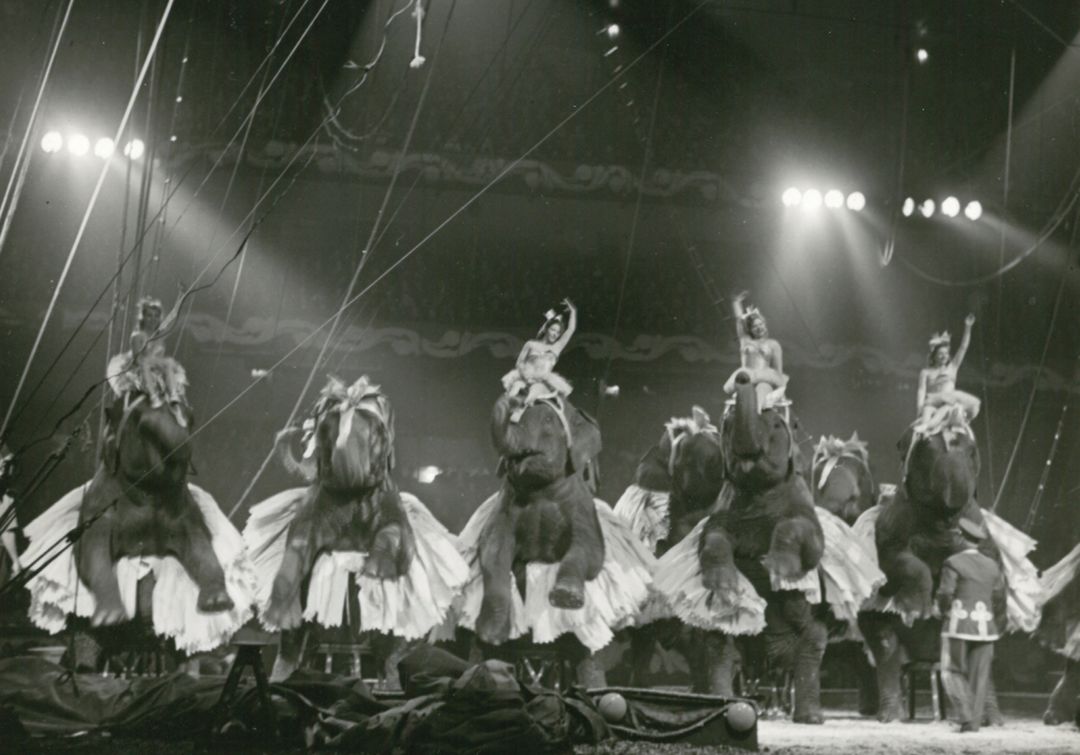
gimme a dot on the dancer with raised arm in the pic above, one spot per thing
(760, 357)
(937, 382)
(534, 376)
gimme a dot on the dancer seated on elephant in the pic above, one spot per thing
(146, 370)
(938, 396)
(534, 376)
(761, 357)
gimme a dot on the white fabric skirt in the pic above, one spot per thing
(647, 513)
(679, 592)
(612, 599)
(409, 606)
(1053, 581)
(57, 591)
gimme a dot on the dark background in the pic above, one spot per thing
(741, 101)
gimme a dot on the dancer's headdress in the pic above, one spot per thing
(550, 317)
(149, 302)
(752, 312)
(940, 339)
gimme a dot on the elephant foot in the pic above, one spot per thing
(493, 624)
(283, 668)
(568, 593)
(214, 600)
(786, 566)
(809, 717)
(282, 616)
(109, 611)
(720, 580)
(889, 712)
(382, 561)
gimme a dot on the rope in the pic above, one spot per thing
(86, 217)
(22, 159)
(645, 157)
(1038, 374)
(365, 255)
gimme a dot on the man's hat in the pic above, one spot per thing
(973, 531)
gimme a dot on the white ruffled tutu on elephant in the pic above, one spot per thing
(1023, 591)
(612, 599)
(848, 568)
(57, 591)
(1053, 581)
(647, 513)
(678, 592)
(409, 606)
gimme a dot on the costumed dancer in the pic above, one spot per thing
(938, 394)
(971, 598)
(761, 357)
(1059, 630)
(140, 518)
(350, 519)
(534, 376)
(145, 370)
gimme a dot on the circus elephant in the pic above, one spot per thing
(777, 543)
(139, 517)
(1059, 630)
(677, 484)
(350, 523)
(913, 535)
(840, 477)
(545, 557)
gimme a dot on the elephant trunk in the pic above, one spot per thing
(953, 481)
(746, 440)
(167, 435)
(506, 435)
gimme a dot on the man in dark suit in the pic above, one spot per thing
(971, 597)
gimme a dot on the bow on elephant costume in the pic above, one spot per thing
(351, 519)
(141, 518)
(840, 477)
(913, 535)
(546, 557)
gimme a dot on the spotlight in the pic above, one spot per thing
(791, 197)
(950, 207)
(612, 31)
(927, 208)
(104, 147)
(856, 201)
(834, 199)
(52, 142)
(909, 207)
(134, 149)
(973, 210)
(922, 55)
(78, 144)
(811, 200)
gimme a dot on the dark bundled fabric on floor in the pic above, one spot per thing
(450, 707)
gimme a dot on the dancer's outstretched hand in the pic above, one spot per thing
(969, 320)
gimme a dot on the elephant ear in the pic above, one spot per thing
(585, 444)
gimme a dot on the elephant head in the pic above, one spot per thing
(940, 472)
(353, 436)
(148, 445)
(759, 447)
(538, 448)
(841, 478)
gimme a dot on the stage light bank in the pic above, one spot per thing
(78, 144)
(52, 142)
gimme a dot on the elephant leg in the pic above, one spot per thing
(392, 547)
(795, 641)
(283, 610)
(721, 662)
(642, 646)
(867, 680)
(189, 540)
(497, 546)
(1062, 704)
(718, 572)
(97, 569)
(884, 643)
(584, 558)
(590, 673)
(291, 648)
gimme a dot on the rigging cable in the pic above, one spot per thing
(86, 217)
(22, 158)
